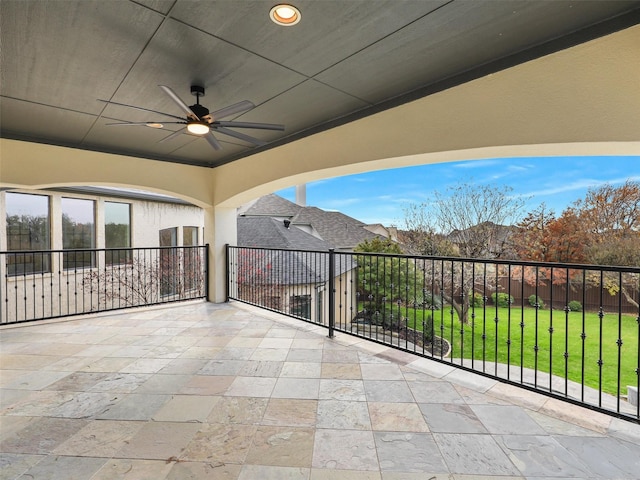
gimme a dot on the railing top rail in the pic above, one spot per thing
(114, 249)
(523, 263)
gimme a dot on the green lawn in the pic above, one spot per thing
(551, 347)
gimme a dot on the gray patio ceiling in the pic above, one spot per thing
(346, 59)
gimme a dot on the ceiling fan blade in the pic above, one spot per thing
(240, 136)
(143, 124)
(140, 108)
(262, 126)
(213, 141)
(183, 106)
(172, 136)
(239, 107)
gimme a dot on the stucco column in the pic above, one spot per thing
(220, 228)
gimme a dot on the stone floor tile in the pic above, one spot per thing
(301, 370)
(222, 367)
(160, 441)
(78, 381)
(220, 443)
(102, 438)
(605, 457)
(542, 456)
(26, 362)
(121, 382)
(124, 469)
(203, 471)
(11, 397)
(282, 446)
(309, 343)
(41, 435)
(518, 396)
(304, 355)
(264, 368)
(186, 408)
(205, 353)
(371, 371)
(37, 380)
(167, 384)
(345, 450)
(327, 474)
(341, 414)
(244, 342)
(435, 392)
(339, 356)
(276, 342)
(506, 420)
(183, 366)
(296, 388)
(107, 364)
(244, 410)
(12, 465)
(331, 389)
(263, 472)
(451, 418)
(208, 385)
(134, 407)
(65, 468)
(38, 403)
(387, 391)
(344, 371)
(554, 426)
(396, 417)
(272, 354)
(471, 397)
(474, 454)
(291, 412)
(577, 415)
(625, 430)
(470, 380)
(250, 386)
(409, 452)
(9, 376)
(10, 425)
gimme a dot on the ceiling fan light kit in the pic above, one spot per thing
(199, 121)
(198, 128)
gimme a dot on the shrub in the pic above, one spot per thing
(501, 299)
(477, 301)
(428, 300)
(575, 306)
(535, 300)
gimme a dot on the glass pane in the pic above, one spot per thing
(117, 231)
(28, 228)
(190, 236)
(78, 231)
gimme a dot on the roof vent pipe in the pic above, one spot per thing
(301, 195)
(287, 223)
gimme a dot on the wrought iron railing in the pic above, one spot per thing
(568, 331)
(45, 284)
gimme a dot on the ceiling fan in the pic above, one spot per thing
(199, 121)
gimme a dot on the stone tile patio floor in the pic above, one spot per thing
(206, 391)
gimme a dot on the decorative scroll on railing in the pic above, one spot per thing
(568, 331)
(38, 285)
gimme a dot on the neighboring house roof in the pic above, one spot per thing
(286, 265)
(267, 232)
(271, 205)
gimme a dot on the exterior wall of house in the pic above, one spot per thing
(147, 218)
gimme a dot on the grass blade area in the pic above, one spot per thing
(510, 336)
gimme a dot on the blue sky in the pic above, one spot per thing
(380, 197)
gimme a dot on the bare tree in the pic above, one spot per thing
(467, 220)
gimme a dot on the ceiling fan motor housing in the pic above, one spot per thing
(197, 91)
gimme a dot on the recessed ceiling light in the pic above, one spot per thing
(198, 128)
(285, 15)
(155, 125)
